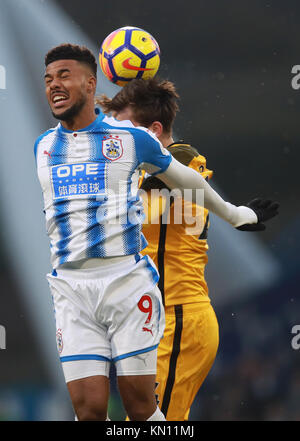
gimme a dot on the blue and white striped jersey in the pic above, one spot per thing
(89, 180)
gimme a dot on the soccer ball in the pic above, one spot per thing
(129, 53)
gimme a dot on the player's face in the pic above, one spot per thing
(66, 85)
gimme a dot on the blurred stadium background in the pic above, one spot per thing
(231, 62)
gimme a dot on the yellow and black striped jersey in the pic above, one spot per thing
(176, 231)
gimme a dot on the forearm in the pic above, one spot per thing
(182, 177)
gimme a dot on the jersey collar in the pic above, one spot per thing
(90, 127)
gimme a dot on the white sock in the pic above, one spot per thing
(157, 416)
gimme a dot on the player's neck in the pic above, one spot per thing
(166, 139)
(84, 118)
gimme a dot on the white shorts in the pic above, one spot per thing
(106, 314)
(140, 364)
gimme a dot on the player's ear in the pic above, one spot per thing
(157, 128)
(91, 84)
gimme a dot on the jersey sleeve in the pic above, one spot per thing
(179, 176)
(37, 141)
(152, 156)
(36, 145)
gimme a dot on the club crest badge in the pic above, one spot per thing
(59, 341)
(112, 147)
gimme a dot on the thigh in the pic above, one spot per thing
(185, 356)
(137, 388)
(136, 380)
(137, 392)
(90, 397)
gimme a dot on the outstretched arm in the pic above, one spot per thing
(179, 176)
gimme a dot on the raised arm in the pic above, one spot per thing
(247, 218)
(156, 160)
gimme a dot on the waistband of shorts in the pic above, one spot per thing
(89, 267)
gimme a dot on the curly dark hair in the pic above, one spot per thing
(151, 100)
(69, 51)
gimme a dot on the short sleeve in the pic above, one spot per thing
(152, 156)
(36, 144)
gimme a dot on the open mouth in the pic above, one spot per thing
(58, 100)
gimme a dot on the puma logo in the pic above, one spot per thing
(148, 330)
